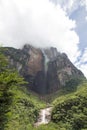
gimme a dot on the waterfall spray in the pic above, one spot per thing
(46, 60)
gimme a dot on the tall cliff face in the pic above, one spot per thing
(46, 70)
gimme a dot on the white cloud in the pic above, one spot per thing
(83, 68)
(84, 56)
(40, 23)
(84, 3)
(82, 64)
(86, 18)
(70, 5)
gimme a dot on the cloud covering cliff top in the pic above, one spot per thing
(40, 23)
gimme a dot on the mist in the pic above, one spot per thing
(39, 23)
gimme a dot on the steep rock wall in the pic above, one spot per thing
(46, 70)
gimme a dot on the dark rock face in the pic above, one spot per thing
(46, 70)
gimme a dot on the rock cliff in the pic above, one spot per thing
(46, 70)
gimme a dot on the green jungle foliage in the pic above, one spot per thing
(19, 109)
(71, 110)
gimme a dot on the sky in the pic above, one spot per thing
(44, 23)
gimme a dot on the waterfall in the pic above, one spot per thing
(46, 60)
(44, 116)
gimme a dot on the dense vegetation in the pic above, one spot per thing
(71, 110)
(19, 109)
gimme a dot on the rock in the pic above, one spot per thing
(46, 70)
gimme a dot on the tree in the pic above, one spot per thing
(8, 78)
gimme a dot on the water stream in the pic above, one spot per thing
(46, 60)
(44, 116)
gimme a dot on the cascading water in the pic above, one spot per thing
(44, 116)
(46, 60)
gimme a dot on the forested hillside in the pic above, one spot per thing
(19, 108)
(70, 110)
